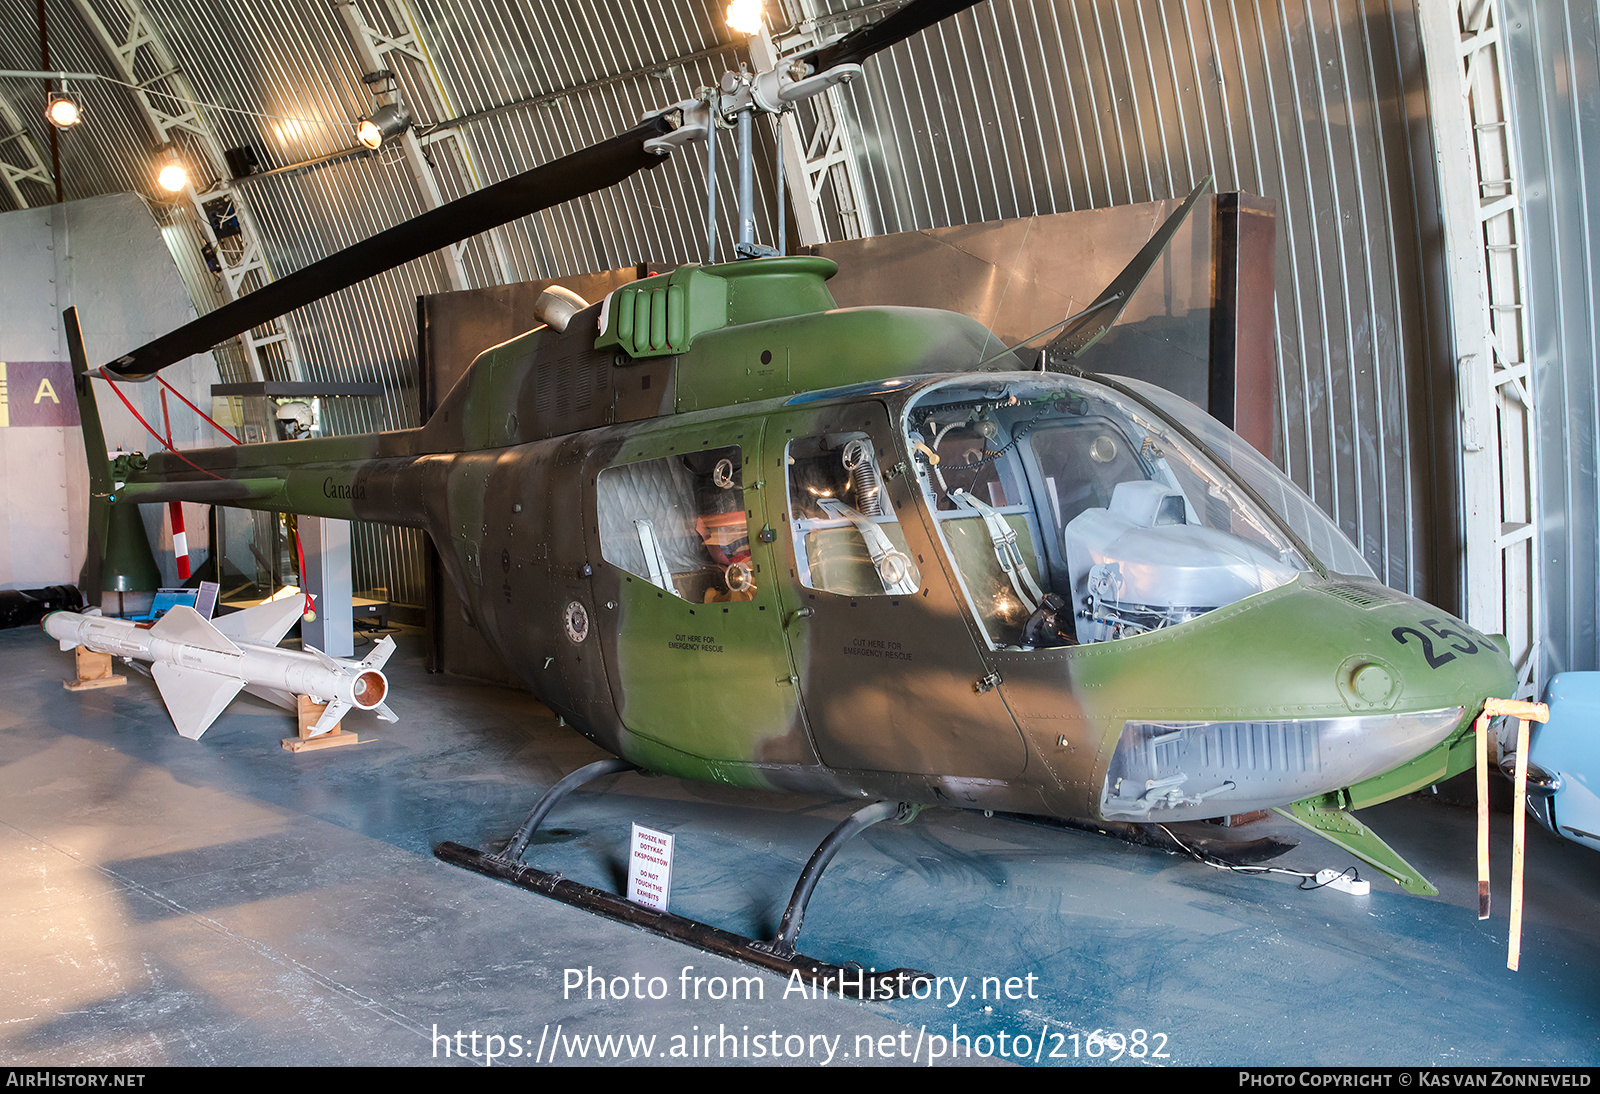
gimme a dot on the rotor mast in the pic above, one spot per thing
(740, 96)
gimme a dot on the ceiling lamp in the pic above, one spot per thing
(62, 111)
(173, 176)
(386, 122)
(744, 16)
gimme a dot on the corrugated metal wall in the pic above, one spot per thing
(1554, 48)
(293, 61)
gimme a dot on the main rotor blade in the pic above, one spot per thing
(571, 176)
(1097, 318)
(863, 42)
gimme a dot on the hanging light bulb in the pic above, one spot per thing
(62, 111)
(744, 16)
(173, 176)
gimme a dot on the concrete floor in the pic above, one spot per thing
(226, 902)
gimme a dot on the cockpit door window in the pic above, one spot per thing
(847, 538)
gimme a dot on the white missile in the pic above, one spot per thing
(200, 666)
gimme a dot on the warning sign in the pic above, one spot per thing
(650, 869)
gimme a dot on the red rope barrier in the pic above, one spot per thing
(300, 553)
(118, 392)
(198, 411)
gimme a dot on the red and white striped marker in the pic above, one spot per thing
(180, 540)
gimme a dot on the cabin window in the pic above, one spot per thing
(680, 524)
(847, 539)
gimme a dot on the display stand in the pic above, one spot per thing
(308, 712)
(94, 671)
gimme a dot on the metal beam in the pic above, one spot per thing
(377, 51)
(819, 150)
(1470, 111)
(14, 139)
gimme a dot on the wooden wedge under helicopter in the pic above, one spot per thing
(733, 533)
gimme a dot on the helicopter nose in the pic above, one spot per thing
(1297, 692)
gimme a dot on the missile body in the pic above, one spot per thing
(200, 666)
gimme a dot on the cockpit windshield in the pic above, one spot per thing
(1074, 514)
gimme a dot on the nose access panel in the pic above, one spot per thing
(1194, 770)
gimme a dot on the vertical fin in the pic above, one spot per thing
(266, 623)
(94, 450)
(380, 654)
(184, 624)
(337, 709)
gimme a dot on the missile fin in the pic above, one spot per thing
(380, 654)
(384, 713)
(325, 661)
(194, 697)
(266, 623)
(337, 709)
(184, 624)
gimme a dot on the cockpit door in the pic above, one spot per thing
(887, 667)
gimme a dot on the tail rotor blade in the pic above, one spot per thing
(560, 180)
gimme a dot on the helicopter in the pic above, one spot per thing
(731, 532)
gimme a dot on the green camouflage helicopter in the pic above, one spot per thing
(731, 532)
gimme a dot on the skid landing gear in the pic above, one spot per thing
(778, 954)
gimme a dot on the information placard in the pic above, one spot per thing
(650, 868)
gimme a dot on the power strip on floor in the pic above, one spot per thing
(1334, 879)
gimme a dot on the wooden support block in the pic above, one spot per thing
(328, 740)
(94, 671)
(307, 713)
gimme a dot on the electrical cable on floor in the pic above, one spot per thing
(1217, 864)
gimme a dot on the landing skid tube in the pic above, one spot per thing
(778, 954)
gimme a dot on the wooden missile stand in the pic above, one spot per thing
(94, 671)
(308, 712)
